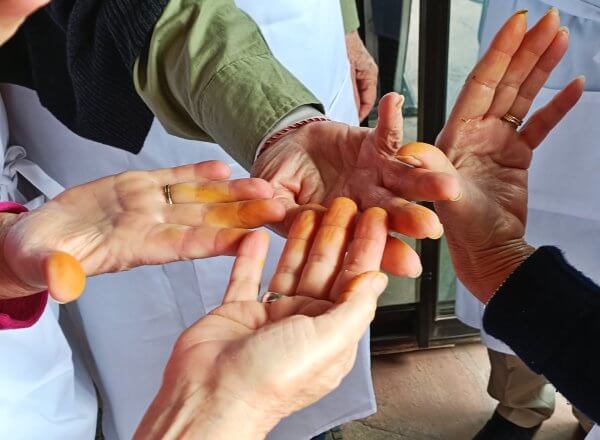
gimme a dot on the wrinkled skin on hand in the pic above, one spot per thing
(124, 221)
(322, 161)
(279, 357)
(364, 72)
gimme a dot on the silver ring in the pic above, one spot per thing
(269, 297)
(167, 191)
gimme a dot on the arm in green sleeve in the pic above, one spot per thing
(350, 15)
(209, 75)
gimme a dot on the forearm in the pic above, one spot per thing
(548, 313)
(208, 74)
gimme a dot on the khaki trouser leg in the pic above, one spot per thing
(583, 420)
(525, 398)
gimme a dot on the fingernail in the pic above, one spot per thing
(564, 29)
(457, 198)
(379, 282)
(522, 12)
(581, 78)
(417, 273)
(439, 234)
(400, 102)
(410, 160)
(552, 10)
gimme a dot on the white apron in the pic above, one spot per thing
(564, 204)
(40, 396)
(131, 320)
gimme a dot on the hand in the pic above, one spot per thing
(325, 160)
(245, 366)
(124, 221)
(13, 13)
(364, 72)
(486, 228)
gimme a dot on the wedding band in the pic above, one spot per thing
(269, 297)
(513, 120)
(167, 191)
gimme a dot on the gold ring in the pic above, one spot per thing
(269, 297)
(513, 120)
(167, 191)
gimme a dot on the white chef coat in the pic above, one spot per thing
(131, 320)
(564, 205)
(41, 395)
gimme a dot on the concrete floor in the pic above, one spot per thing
(439, 394)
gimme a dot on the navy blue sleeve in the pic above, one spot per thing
(549, 314)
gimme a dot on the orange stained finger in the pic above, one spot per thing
(390, 125)
(198, 172)
(413, 220)
(540, 74)
(478, 92)
(423, 185)
(64, 276)
(168, 243)
(545, 119)
(248, 214)
(295, 253)
(400, 259)
(221, 191)
(244, 283)
(422, 155)
(328, 250)
(366, 248)
(535, 43)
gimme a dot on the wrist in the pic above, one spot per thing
(203, 412)
(490, 268)
(11, 286)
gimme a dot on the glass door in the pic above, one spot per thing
(425, 49)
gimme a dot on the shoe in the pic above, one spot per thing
(498, 428)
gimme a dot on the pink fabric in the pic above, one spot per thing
(20, 312)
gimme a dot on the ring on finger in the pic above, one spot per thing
(167, 191)
(269, 297)
(513, 120)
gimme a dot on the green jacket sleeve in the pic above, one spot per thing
(208, 74)
(350, 15)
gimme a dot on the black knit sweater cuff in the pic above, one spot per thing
(132, 24)
(538, 308)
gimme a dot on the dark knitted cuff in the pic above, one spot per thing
(536, 311)
(132, 25)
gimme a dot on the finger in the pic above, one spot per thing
(167, 243)
(367, 89)
(543, 121)
(426, 156)
(247, 214)
(344, 324)
(244, 283)
(400, 259)
(535, 43)
(366, 249)
(355, 88)
(540, 74)
(295, 253)
(478, 92)
(297, 305)
(198, 172)
(221, 191)
(390, 125)
(327, 253)
(64, 277)
(413, 220)
(420, 184)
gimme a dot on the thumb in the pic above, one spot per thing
(63, 275)
(390, 126)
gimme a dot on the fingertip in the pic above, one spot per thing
(400, 259)
(217, 169)
(261, 187)
(65, 277)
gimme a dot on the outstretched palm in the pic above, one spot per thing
(490, 156)
(290, 352)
